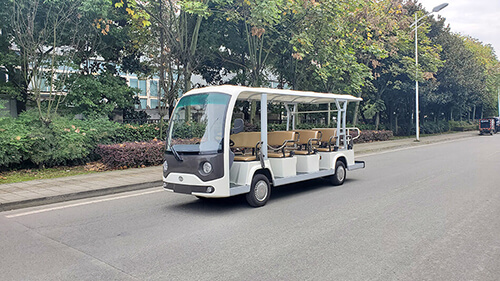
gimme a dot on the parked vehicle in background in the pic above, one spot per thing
(489, 125)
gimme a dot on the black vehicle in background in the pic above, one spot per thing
(489, 125)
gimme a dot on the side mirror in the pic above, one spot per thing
(238, 127)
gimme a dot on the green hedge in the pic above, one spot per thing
(25, 141)
(463, 125)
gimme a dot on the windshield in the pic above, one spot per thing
(197, 123)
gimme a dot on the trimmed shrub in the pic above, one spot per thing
(132, 154)
(463, 125)
(371, 135)
(26, 141)
(434, 127)
(189, 130)
(12, 147)
(132, 132)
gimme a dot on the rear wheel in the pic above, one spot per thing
(260, 191)
(339, 177)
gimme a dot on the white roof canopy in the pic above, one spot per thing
(275, 95)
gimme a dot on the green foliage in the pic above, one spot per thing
(189, 130)
(434, 127)
(463, 125)
(144, 132)
(99, 95)
(359, 47)
(11, 147)
(65, 141)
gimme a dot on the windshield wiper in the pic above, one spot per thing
(176, 155)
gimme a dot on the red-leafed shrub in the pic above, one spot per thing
(371, 135)
(131, 154)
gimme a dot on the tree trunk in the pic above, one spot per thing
(253, 112)
(162, 74)
(396, 123)
(355, 117)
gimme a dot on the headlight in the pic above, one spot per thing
(206, 168)
(165, 168)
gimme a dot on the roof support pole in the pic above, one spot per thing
(339, 119)
(287, 117)
(329, 116)
(263, 124)
(295, 108)
(344, 122)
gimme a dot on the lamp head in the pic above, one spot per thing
(439, 7)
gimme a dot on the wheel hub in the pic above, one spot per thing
(340, 173)
(261, 191)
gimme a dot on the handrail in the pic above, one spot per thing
(354, 128)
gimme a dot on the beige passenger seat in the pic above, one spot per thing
(280, 143)
(307, 140)
(328, 139)
(246, 146)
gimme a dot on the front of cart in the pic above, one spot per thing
(197, 146)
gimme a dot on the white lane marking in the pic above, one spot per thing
(81, 204)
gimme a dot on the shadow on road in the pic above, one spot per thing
(218, 206)
(209, 206)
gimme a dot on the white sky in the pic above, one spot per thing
(479, 19)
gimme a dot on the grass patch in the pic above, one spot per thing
(37, 174)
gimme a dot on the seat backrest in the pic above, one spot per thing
(278, 138)
(327, 133)
(306, 135)
(246, 139)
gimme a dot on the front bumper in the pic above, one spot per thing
(188, 189)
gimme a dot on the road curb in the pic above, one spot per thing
(397, 147)
(75, 196)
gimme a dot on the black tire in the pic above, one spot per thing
(260, 191)
(340, 173)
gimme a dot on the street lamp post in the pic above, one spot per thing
(498, 101)
(417, 121)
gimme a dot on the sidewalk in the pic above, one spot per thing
(40, 192)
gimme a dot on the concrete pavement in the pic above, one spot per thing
(40, 192)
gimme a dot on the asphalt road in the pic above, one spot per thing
(425, 213)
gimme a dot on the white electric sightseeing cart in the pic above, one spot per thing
(208, 153)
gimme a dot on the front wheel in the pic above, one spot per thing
(260, 191)
(339, 177)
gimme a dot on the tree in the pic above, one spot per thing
(485, 57)
(461, 80)
(394, 70)
(99, 95)
(178, 24)
(46, 33)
